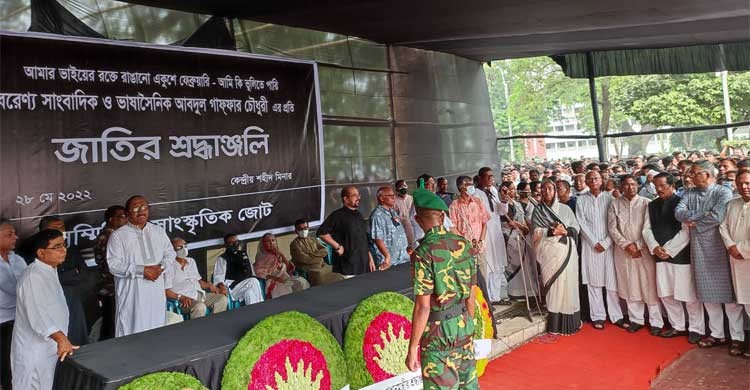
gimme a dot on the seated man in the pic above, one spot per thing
(184, 283)
(308, 254)
(234, 271)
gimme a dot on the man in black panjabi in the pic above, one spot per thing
(346, 231)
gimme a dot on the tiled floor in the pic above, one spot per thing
(705, 369)
(513, 332)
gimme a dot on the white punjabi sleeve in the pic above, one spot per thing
(117, 259)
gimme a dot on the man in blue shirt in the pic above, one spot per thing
(387, 231)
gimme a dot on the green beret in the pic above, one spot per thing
(424, 199)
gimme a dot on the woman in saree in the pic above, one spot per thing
(272, 265)
(555, 231)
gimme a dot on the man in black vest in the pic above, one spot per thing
(233, 273)
(668, 241)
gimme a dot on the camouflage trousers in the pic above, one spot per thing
(447, 354)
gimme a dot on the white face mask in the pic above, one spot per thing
(303, 233)
(182, 252)
(471, 190)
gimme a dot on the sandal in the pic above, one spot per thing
(599, 325)
(736, 348)
(710, 341)
(622, 324)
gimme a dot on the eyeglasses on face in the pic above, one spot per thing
(58, 246)
(139, 208)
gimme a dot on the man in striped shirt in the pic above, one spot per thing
(597, 257)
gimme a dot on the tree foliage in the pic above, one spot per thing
(537, 87)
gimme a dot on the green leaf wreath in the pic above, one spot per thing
(390, 303)
(165, 381)
(285, 328)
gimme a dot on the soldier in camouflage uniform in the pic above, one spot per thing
(444, 272)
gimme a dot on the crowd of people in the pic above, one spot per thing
(665, 236)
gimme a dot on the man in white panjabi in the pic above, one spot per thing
(635, 267)
(11, 269)
(496, 257)
(667, 240)
(597, 254)
(404, 203)
(183, 283)
(137, 254)
(735, 231)
(522, 281)
(39, 335)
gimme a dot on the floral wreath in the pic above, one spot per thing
(377, 338)
(482, 325)
(290, 351)
(165, 381)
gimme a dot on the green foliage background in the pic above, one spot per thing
(537, 87)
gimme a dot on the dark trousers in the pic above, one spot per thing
(6, 336)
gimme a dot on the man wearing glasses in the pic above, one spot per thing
(137, 254)
(387, 231)
(703, 209)
(40, 333)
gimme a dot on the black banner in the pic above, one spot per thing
(216, 141)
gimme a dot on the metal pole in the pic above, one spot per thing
(595, 106)
(507, 113)
(391, 106)
(727, 109)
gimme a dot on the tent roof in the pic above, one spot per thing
(496, 29)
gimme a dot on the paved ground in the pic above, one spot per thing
(706, 369)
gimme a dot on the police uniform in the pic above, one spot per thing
(444, 269)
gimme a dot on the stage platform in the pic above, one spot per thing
(202, 346)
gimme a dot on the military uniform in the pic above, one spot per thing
(444, 269)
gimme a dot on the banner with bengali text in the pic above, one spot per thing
(217, 141)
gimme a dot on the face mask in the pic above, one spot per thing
(182, 252)
(303, 233)
(401, 191)
(471, 190)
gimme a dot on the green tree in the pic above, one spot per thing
(537, 88)
(657, 101)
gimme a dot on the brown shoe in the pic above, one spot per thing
(736, 348)
(709, 342)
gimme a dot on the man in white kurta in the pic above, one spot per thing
(11, 269)
(494, 244)
(597, 256)
(667, 240)
(634, 265)
(735, 231)
(137, 254)
(41, 319)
